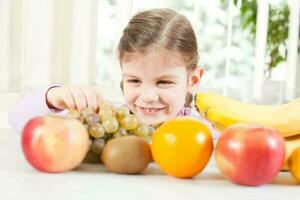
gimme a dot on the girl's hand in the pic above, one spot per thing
(76, 97)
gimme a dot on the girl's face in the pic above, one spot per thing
(155, 85)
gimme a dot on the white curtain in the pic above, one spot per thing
(49, 41)
(56, 41)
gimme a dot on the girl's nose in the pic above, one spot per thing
(149, 95)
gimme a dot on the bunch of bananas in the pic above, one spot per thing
(223, 111)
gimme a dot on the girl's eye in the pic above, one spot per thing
(133, 81)
(165, 83)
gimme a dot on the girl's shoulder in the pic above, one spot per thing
(192, 112)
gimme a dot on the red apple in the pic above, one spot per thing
(54, 144)
(250, 154)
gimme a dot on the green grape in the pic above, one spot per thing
(92, 157)
(142, 130)
(105, 104)
(105, 114)
(120, 133)
(92, 119)
(87, 112)
(130, 122)
(97, 130)
(98, 145)
(148, 139)
(117, 134)
(152, 130)
(73, 114)
(111, 124)
(122, 112)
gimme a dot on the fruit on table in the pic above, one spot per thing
(129, 122)
(96, 130)
(291, 143)
(98, 145)
(294, 163)
(126, 155)
(222, 111)
(54, 144)
(108, 123)
(182, 147)
(250, 154)
(122, 112)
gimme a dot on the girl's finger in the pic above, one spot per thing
(78, 97)
(68, 98)
(97, 90)
(61, 98)
(90, 96)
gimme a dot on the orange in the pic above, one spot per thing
(294, 163)
(182, 147)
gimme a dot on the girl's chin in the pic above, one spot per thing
(151, 120)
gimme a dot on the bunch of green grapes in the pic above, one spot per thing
(110, 122)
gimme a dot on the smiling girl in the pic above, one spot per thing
(158, 56)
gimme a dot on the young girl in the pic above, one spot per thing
(158, 56)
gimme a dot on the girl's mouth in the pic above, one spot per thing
(150, 111)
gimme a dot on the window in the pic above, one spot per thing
(210, 22)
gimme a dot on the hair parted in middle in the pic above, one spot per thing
(160, 29)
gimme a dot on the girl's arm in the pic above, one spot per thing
(29, 107)
(77, 96)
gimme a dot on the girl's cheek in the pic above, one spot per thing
(130, 93)
(171, 94)
(174, 97)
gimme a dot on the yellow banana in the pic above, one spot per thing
(291, 143)
(222, 111)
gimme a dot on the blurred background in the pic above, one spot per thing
(249, 48)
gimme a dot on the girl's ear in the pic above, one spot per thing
(195, 78)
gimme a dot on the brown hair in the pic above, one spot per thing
(162, 28)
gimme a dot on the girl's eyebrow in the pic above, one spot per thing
(129, 75)
(172, 76)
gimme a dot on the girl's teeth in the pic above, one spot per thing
(151, 110)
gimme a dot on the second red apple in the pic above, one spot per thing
(250, 154)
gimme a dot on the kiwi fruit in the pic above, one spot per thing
(126, 155)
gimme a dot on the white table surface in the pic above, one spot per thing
(18, 180)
